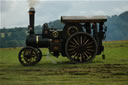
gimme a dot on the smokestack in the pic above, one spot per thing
(31, 20)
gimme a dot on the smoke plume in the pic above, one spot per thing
(33, 3)
(49, 58)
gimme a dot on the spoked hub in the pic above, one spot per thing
(81, 47)
(70, 29)
(29, 56)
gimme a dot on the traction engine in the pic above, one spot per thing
(80, 40)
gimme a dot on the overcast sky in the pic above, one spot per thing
(14, 13)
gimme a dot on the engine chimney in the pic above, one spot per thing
(31, 20)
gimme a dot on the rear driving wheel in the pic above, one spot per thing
(81, 48)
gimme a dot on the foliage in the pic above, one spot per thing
(15, 37)
(117, 27)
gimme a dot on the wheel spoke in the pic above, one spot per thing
(80, 57)
(29, 52)
(25, 52)
(75, 56)
(72, 52)
(81, 40)
(72, 43)
(90, 50)
(85, 42)
(85, 54)
(71, 49)
(89, 43)
(72, 46)
(75, 41)
(89, 46)
(84, 39)
(78, 39)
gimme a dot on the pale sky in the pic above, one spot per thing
(14, 13)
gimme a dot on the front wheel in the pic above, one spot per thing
(81, 47)
(29, 56)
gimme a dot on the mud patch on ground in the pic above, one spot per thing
(120, 74)
(1, 74)
(5, 78)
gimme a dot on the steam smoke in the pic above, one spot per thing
(33, 3)
(49, 58)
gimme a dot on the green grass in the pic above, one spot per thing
(112, 71)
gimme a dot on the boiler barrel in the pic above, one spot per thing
(37, 41)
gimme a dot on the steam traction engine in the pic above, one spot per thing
(80, 40)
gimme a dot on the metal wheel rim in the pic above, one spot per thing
(39, 54)
(28, 56)
(81, 48)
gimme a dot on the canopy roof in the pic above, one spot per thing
(83, 19)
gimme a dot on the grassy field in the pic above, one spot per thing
(59, 71)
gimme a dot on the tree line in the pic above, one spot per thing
(15, 37)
